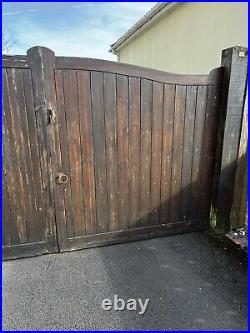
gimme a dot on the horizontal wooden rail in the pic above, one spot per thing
(75, 63)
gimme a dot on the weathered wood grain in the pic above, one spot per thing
(130, 70)
(38, 191)
(167, 149)
(186, 177)
(86, 128)
(146, 132)
(197, 161)
(10, 171)
(138, 146)
(35, 60)
(179, 116)
(99, 151)
(122, 144)
(6, 212)
(111, 117)
(235, 63)
(19, 167)
(156, 153)
(68, 230)
(134, 151)
(74, 139)
(239, 207)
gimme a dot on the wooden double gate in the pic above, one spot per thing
(97, 152)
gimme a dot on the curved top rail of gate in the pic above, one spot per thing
(77, 63)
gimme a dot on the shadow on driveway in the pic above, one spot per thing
(192, 284)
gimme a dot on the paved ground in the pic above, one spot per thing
(192, 283)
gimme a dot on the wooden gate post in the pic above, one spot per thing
(41, 60)
(234, 60)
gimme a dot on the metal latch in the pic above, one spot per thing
(61, 178)
(51, 115)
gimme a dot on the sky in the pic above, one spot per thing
(84, 29)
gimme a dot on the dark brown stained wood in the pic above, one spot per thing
(73, 128)
(86, 128)
(20, 120)
(6, 213)
(180, 101)
(42, 61)
(239, 207)
(68, 230)
(38, 192)
(25, 250)
(130, 70)
(10, 164)
(35, 60)
(134, 151)
(208, 152)
(186, 178)
(156, 153)
(99, 151)
(137, 234)
(145, 174)
(167, 143)
(48, 58)
(235, 63)
(195, 195)
(20, 167)
(17, 61)
(122, 144)
(11, 234)
(111, 150)
(138, 146)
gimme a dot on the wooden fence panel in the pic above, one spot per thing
(26, 217)
(113, 152)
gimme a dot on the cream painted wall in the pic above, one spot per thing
(190, 38)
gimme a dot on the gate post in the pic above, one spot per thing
(41, 61)
(234, 60)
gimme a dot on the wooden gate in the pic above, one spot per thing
(97, 152)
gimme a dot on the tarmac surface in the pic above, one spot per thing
(191, 281)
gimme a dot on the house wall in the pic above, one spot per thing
(189, 39)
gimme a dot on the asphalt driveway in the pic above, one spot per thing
(191, 283)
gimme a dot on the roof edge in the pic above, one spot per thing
(151, 16)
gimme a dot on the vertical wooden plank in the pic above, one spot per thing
(238, 211)
(179, 116)
(122, 141)
(29, 176)
(111, 150)
(186, 181)
(195, 195)
(134, 151)
(6, 214)
(235, 63)
(54, 147)
(39, 60)
(40, 212)
(68, 227)
(13, 232)
(72, 118)
(10, 163)
(99, 151)
(167, 148)
(208, 154)
(156, 153)
(86, 128)
(146, 122)
(242, 220)
(15, 158)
